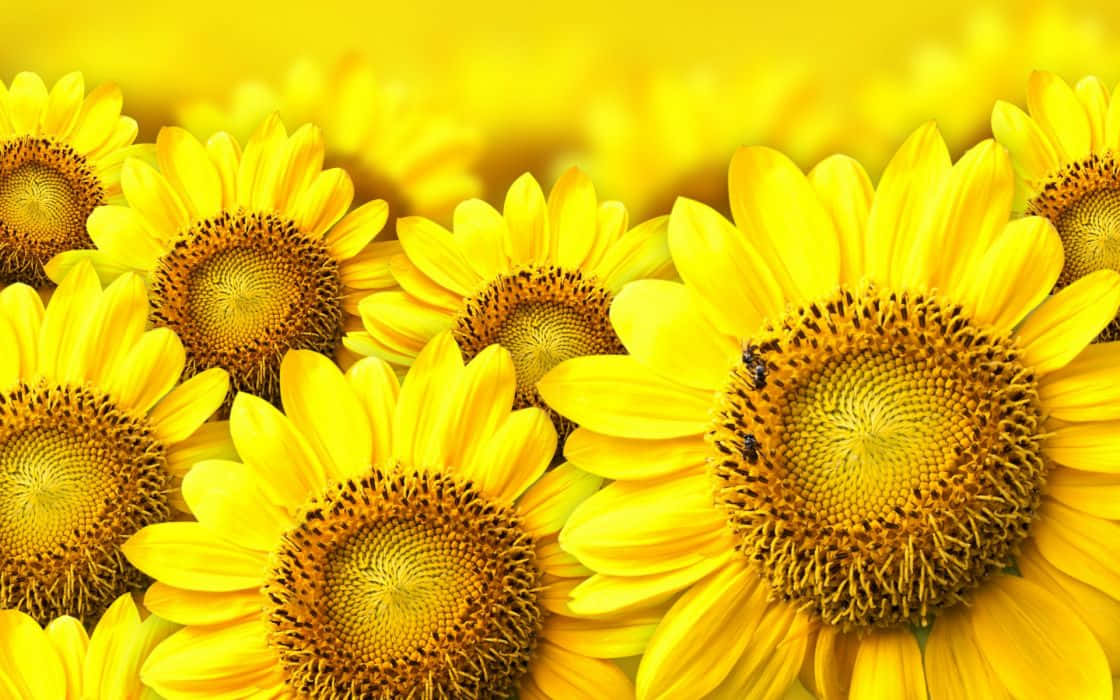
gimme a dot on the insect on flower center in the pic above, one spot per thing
(878, 456)
(241, 290)
(47, 191)
(542, 316)
(78, 476)
(402, 585)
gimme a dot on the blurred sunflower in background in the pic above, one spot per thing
(61, 153)
(537, 278)
(395, 146)
(247, 253)
(382, 541)
(1065, 153)
(63, 662)
(888, 466)
(95, 430)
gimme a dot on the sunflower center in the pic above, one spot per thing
(542, 316)
(1083, 203)
(78, 476)
(878, 456)
(402, 585)
(241, 290)
(47, 191)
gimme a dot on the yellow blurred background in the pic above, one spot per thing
(651, 97)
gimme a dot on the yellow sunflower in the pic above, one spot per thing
(537, 279)
(61, 153)
(62, 662)
(395, 146)
(93, 435)
(1066, 153)
(861, 437)
(247, 254)
(381, 541)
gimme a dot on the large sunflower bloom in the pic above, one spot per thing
(1066, 153)
(843, 432)
(537, 279)
(381, 541)
(60, 157)
(395, 146)
(93, 435)
(247, 254)
(62, 662)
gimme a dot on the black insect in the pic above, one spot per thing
(755, 365)
(759, 372)
(750, 448)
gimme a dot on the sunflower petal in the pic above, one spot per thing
(888, 665)
(626, 458)
(187, 166)
(226, 499)
(549, 502)
(188, 555)
(29, 665)
(844, 189)
(1057, 110)
(573, 218)
(186, 407)
(1088, 388)
(526, 213)
(1067, 322)
(1035, 157)
(1082, 546)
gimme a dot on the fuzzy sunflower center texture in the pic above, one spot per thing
(240, 290)
(1083, 203)
(878, 456)
(47, 192)
(78, 477)
(542, 316)
(404, 586)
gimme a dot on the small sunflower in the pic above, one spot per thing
(93, 437)
(60, 157)
(247, 254)
(62, 662)
(1066, 153)
(381, 541)
(395, 146)
(846, 449)
(536, 279)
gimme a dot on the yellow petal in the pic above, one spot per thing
(228, 500)
(1090, 492)
(717, 261)
(225, 154)
(434, 250)
(770, 664)
(209, 661)
(1034, 155)
(189, 405)
(23, 307)
(322, 204)
(616, 395)
(323, 407)
(150, 370)
(70, 641)
(376, 386)
(1093, 96)
(602, 594)
(514, 456)
(661, 324)
(612, 220)
(262, 165)
(104, 265)
(773, 203)
(625, 458)
(418, 285)
(956, 668)
(27, 101)
(122, 678)
(187, 166)
(201, 608)
(703, 635)
(1082, 546)
(303, 163)
(1014, 275)
(549, 502)
(63, 105)
(1112, 121)
(106, 661)
(641, 252)
(29, 666)
(888, 665)
(561, 674)
(63, 346)
(357, 229)
(478, 406)
(10, 374)
(483, 237)
(418, 426)
(100, 116)
(1068, 321)
(834, 658)
(1088, 388)
(573, 218)
(526, 213)
(844, 189)
(601, 639)
(155, 199)
(187, 555)
(1037, 646)
(401, 321)
(1057, 110)
(1089, 446)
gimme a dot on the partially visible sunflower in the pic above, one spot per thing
(382, 541)
(395, 146)
(536, 279)
(62, 662)
(95, 431)
(860, 437)
(1066, 154)
(247, 254)
(60, 157)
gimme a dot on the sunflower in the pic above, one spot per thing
(395, 146)
(62, 662)
(1066, 153)
(60, 157)
(381, 541)
(862, 451)
(246, 254)
(536, 279)
(93, 435)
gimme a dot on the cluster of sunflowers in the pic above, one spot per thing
(861, 440)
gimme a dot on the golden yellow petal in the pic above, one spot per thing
(888, 665)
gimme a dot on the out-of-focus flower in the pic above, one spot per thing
(61, 153)
(382, 541)
(62, 662)
(394, 145)
(861, 418)
(248, 254)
